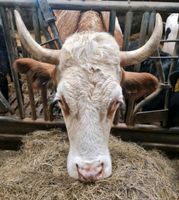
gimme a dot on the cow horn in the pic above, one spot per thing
(37, 51)
(138, 55)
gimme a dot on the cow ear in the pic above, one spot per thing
(41, 74)
(138, 85)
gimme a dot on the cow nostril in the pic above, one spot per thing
(90, 173)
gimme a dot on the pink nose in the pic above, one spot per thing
(90, 172)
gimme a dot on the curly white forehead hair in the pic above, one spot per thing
(90, 49)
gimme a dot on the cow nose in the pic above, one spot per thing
(90, 172)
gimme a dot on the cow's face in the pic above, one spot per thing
(89, 94)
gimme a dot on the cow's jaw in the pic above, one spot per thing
(88, 157)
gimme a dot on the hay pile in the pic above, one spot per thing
(38, 172)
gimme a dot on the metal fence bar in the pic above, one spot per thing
(44, 27)
(127, 30)
(162, 41)
(122, 6)
(49, 18)
(56, 35)
(150, 97)
(159, 68)
(143, 34)
(5, 103)
(144, 28)
(151, 23)
(36, 25)
(112, 20)
(164, 57)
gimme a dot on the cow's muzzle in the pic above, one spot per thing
(90, 172)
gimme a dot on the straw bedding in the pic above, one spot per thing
(38, 171)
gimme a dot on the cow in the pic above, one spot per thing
(174, 97)
(171, 33)
(4, 64)
(89, 81)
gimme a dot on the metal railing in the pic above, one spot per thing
(122, 6)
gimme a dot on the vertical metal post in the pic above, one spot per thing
(157, 53)
(47, 35)
(36, 25)
(56, 35)
(143, 33)
(127, 30)
(49, 18)
(144, 28)
(112, 20)
(151, 23)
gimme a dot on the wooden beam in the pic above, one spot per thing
(148, 135)
(10, 142)
(13, 129)
(151, 116)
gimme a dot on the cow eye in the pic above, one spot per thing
(117, 102)
(59, 101)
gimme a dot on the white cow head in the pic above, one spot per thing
(89, 83)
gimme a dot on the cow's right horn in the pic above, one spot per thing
(139, 55)
(37, 51)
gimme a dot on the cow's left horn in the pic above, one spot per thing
(37, 51)
(138, 55)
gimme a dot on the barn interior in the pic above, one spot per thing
(33, 141)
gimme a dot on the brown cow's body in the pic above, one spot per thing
(69, 22)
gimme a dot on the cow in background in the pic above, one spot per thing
(4, 64)
(174, 97)
(90, 82)
(171, 33)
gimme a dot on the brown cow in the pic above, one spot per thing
(69, 22)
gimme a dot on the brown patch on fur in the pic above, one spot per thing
(111, 109)
(138, 84)
(64, 106)
(67, 22)
(40, 73)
